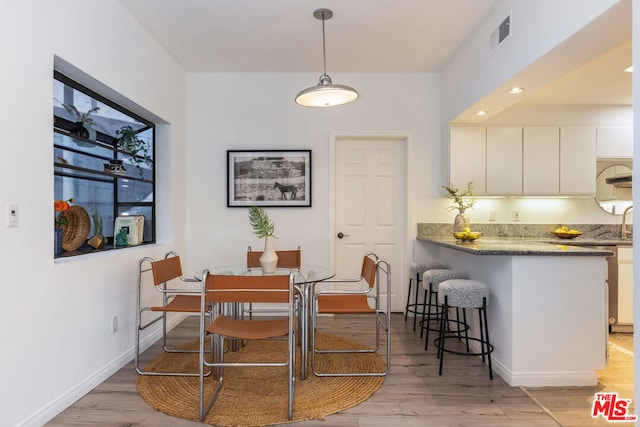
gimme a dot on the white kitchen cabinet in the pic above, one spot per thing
(614, 142)
(577, 160)
(625, 285)
(504, 160)
(541, 160)
(467, 158)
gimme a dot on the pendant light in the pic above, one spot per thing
(325, 93)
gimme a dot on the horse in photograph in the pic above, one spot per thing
(284, 189)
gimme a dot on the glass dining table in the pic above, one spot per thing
(305, 277)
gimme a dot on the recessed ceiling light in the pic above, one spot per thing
(629, 69)
(481, 113)
(516, 90)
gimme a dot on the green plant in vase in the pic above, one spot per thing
(462, 200)
(263, 227)
(83, 122)
(139, 150)
(97, 241)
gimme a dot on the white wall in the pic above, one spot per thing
(56, 314)
(257, 111)
(536, 28)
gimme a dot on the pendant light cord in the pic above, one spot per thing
(324, 50)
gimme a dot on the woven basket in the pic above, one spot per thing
(77, 228)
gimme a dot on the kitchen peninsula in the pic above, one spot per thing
(547, 311)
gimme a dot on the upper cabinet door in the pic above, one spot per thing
(577, 160)
(615, 142)
(504, 160)
(467, 151)
(541, 160)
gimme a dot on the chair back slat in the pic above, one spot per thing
(166, 269)
(286, 259)
(369, 270)
(289, 258)
(272, 289)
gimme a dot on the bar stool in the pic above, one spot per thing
(416, 270)
(464, 293)
(431, 280)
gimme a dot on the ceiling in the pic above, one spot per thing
(283, 35)
(384, 36)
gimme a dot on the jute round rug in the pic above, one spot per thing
(258, 396)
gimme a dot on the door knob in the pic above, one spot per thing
(341, 235)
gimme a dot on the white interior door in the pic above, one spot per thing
(370, 208)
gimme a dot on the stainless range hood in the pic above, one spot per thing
(620, 181)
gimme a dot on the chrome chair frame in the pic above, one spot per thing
(169, 295)
(229, 295)
(373, 292)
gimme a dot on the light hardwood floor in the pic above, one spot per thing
(413, 394)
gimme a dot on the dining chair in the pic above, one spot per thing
(177, 297)
(221, 291)
(362, 296)
(288, 258)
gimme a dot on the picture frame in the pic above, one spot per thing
(269, 178)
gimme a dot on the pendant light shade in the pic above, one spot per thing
(325, 93)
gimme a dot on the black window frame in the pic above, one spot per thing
(105, 141)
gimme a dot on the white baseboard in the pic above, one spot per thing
(539, 379)
(48, 412)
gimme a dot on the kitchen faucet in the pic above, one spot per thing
(623, 232)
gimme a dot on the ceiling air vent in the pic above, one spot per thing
(501, 33)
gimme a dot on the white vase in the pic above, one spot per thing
(269, 258)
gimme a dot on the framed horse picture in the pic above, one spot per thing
(269, 178)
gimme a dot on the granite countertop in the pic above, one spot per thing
(528, 239)
(516, 246)
(589, 241)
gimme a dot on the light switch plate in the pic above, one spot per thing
(12, 214)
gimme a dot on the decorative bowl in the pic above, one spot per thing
(566, 235)
(467, 237)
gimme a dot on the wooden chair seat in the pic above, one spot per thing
(256, 330)
(341, 304)
(181, 304)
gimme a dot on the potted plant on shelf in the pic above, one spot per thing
(83, 126)
(97, 241)
(129, 142)
(263, 227)
(462, 200)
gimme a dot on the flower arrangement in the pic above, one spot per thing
(461, 200)
(61, 206)
(260, 222)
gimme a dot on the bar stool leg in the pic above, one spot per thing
(406, 307)
(486, 333)
(443, 322)
(433, 302)
(415, 311)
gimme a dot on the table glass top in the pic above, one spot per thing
(307, 273)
